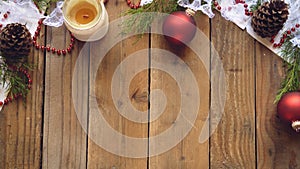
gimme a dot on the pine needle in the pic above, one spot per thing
(141, 23)
(291, 82)
(16, 81)
(256, 6)
(43, 5)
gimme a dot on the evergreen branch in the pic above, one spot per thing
(43, 5)
(256, 6)
(291, 81)
(16, 81)
(141, 23)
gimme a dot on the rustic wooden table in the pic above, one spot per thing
(47, 134)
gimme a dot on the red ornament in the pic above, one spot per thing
(179, 28)
(288, 109)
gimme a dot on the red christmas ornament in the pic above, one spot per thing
(288, 109)
(179, 28)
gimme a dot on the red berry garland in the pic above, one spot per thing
(54, 50)
(5, 16)
(284, 36)
(9, 99)
(132, 5)
(247, 12)
(48, 48)
(216, 5)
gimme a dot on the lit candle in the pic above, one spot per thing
(86, 19)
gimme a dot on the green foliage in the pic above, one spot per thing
(255, 7)
(43, 5)
(17, 81)
(291, 82)
(141, 23)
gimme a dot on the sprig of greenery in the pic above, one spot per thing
(17, 82)
(43, 5)
(291, 81)
(141, 23)
(255, 7)
(141, 18)
(162, 6)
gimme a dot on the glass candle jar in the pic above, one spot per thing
(86, 19)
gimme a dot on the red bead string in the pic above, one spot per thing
(4, 16)
(9, 99)
(247, 12)
(132, 5)
(284, 36)
(49, 48)
(217, 6)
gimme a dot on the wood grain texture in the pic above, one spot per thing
(277, 143)
(188, 153)
(102, 90)
(21, 123)
(233, 143)
(47, 133)
(64, 142)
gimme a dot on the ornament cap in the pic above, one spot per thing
(296, 126)
(190, 12)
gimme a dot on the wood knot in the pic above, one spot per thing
(139, 97)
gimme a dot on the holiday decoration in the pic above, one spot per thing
(15, 43)
(86, 19)
(132, 5)
(204, 6)
(270, 17)
(274, 23)
(20, 27)
(19, 83)
(37, 46)
(43, 5)
(276, 19)
(288, 109)
(291, 82)
(141, 24)
(179, 28)
(15, 46)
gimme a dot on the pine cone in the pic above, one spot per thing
(15, 43)
(270, 17)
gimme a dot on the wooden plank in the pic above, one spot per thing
(64, 142)
(277, 144)
(21, 124)
(98, 157)
(188, 153)
(233, 143)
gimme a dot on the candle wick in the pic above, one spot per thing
(86, 16)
